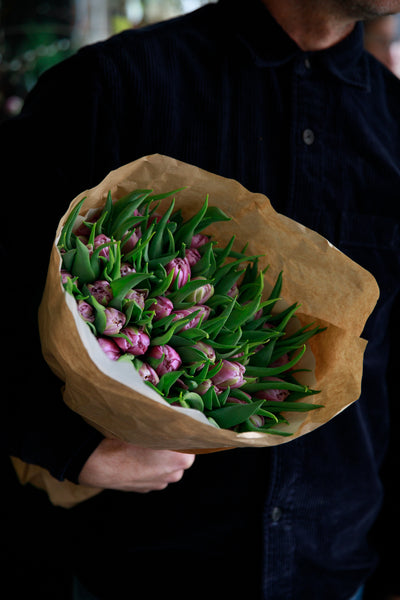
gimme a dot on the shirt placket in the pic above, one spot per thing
(282, 505)
(307, 148)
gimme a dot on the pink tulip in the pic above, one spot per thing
(206, 349)
(201, 294)
(84, 229)
(199, 239)
(139, 296)
(147, 373)
(65, 275)
(101, 290)
(162, 307)
(233, 292)
(86, 311)
(115, 320)
(205, 385)
(109, 348)
(192, 255)
(203, 313)
(181, 269)
(139, 341)
(171, 361)
(231, 375)
(126, 269)
(131, 241)
(99, 240)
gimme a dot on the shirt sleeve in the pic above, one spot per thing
(386, 532)
(48, 155)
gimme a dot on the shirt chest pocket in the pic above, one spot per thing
(374, 243)
(369, 231)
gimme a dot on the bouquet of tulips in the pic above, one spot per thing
(176, 323)
(187, 314)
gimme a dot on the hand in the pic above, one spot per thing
(121, 466)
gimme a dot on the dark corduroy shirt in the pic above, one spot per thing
(226, 89)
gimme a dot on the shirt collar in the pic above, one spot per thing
(270, 46)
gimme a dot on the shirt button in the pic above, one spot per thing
(307, 63)
(276, 514)
(308, 137)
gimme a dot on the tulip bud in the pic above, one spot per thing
(171, 361)
(257, 420)
(203, 387)
(192, 255)
(181, 269)
(201, 294)
(86, 311)
(65, 275)
(101, 290)
(84, 229)
(147, 373)
(203, 313)
(233, 292)
(276, 395)
(139, 341)
(139, 296)
(131, 241)
(99, 240)
(230, 375)
(115, 320)
(126, 269)
(162, 307)
(199, 239)
(109, 348)
(207, 350)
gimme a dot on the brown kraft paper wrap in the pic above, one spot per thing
(332, 291)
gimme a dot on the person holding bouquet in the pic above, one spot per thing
(283, 98)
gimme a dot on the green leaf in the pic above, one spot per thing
(213, 215)
(125, 207)
(194, 400)
(187, 289)
(105, 215)
(167, 381)
(163, 339)
(190, 354)
(157, 243)
(228, 339)
(100, 320)
(276, 290)
(185, 233)
(234, 414)
(221, 254)
(68, 259)
(242, 313)
(206, 266)
(162, 260)
(127, 225)
(214, 325)
(121, 286)
(66, 232)
(162, 286)
(252, 388)
(285, 406)
(82, 267)
(255, 371)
